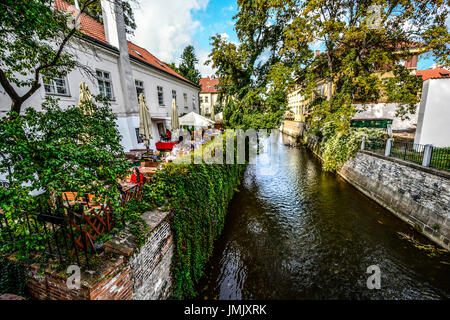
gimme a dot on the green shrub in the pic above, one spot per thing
(337, 148)
(198, 196)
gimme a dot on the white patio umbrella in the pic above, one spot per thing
(85, 97)
(84, 105)
(195, 120)
(145, 121)
(174, 122)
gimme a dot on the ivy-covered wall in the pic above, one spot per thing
(198, 197)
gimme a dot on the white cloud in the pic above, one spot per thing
(206, 71)
(225, 36)
(166, 27)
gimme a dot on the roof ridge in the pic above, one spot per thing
(63, 5)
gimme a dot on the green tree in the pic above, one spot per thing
(251, 72)
(364, 43)
(187, 65)
(33, 37)
(172, 66)
(57, 150)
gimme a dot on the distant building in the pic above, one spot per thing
(119, 77)
(208, 93)
(378, 114)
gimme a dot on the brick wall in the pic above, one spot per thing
(49, 285)
(418, 195)
(124, 273)
(117, 284)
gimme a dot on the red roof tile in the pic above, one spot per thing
(96, 30)
(209, 85)
(433, 74)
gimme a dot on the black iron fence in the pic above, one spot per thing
(408, 151)
(65, 233)
(44, 236)
(440, 158)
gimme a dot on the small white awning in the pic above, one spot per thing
(195, 120)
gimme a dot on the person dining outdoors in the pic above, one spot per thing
(137, 177)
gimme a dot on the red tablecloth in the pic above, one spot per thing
(165, 145)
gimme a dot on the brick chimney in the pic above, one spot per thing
(317, 53)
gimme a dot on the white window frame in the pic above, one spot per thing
(185, 98)
(54, 87)
(193, 102)
(104, 79)
(162, 95)
(139, 84)
(174, 96)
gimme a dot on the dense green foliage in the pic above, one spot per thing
(187, 67)
(253, 75)
(198, 196)
(12, 277)
(337, 148)
(57, 150)
(363, 48)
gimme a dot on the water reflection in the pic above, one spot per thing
(306, 234)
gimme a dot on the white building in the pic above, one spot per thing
(433, 126)
(208, 94)
(121, 70)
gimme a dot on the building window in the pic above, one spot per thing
(56, 86)
(105, 84)
(138, 136)
(174, 96)
(201, 99)
(160, 96)
(206, 99)
(193, 102)
(139, 87)
(185, 100)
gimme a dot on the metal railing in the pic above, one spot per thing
(44, 236)
(407, 151)
(440, 158)
(62, 234)
(425, 155)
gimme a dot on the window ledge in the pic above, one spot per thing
(58, 94)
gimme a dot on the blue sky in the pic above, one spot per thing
(166, 27)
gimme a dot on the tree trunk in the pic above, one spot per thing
(16, 105)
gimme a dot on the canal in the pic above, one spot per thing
(302, 233)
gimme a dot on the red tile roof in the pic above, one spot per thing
(209, 85)
(433, 74)
(96, 30)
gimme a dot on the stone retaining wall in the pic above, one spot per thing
(418, 195)
(293, 128)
